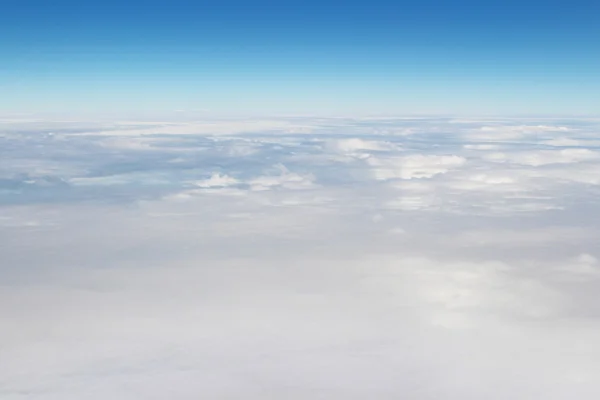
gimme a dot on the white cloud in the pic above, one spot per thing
(583, 266)
(563, 141)
(545, 157)
(355, 145)
(300, 258)
(285, 179)
(209, 127)
(217, 180)
(481, 146)
(414, 166)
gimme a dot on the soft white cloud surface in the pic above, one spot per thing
(300, 258)
(414, 166)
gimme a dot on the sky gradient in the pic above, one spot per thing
(314, 57)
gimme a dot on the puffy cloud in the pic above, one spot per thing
(583, 266)
(357, 145)
(414, 166)
(545, 157)
(217, 180)
(284, 179)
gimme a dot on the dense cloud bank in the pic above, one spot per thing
(300, 258)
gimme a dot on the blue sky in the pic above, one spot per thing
(267, 57)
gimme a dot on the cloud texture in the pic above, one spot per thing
(300, 258)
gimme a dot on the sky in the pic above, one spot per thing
(312, 57)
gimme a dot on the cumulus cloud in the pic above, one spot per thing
(299, 259)
(360, 147)
(284, 179)
(217, 180)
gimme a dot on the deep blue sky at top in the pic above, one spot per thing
(311, 56)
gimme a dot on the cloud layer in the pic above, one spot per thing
(300, 258)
